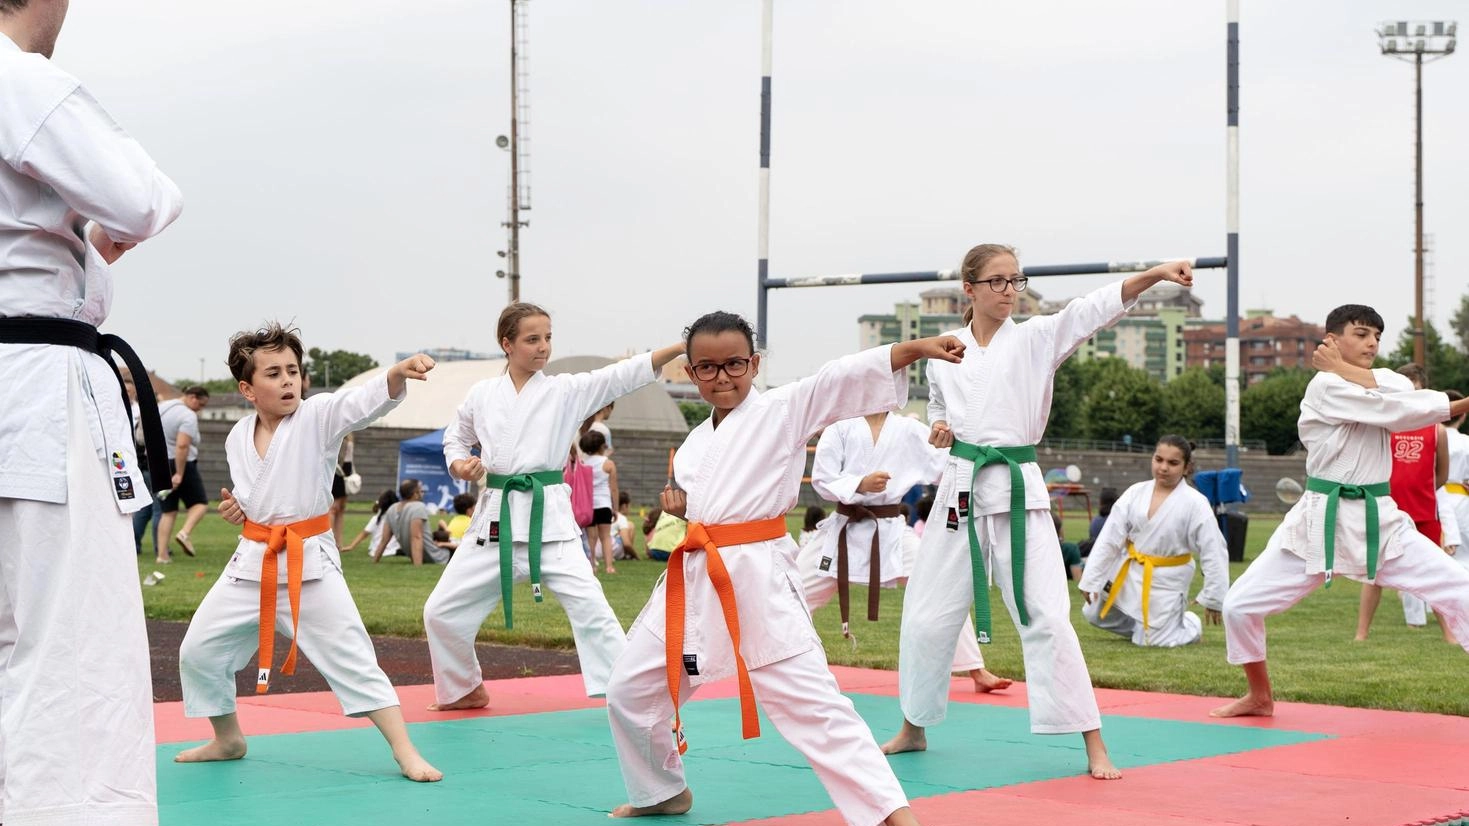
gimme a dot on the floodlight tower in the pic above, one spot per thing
(518, 144)
(1412, 40)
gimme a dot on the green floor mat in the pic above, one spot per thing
(560, 768)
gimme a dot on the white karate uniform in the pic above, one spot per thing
(1346, 430)
(1458, 503)
(1000, 396)
(525, 432)
(1415, 610)
(1183, 525)
(845, 454)
(290, 483)
(76, 704)
(748, 469)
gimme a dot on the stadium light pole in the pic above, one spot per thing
(1412, 41)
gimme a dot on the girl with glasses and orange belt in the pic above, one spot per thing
(731, 603)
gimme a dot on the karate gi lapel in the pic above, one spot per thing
(717, 440)
(981, 398)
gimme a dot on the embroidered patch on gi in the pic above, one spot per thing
(825, 563)
(494, 532)
(691, 664)
(952, 523)
(963, 503)
(119, 463)
(124, 486)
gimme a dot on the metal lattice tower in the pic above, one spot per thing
(522, 98)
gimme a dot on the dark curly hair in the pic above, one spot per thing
(715, 323)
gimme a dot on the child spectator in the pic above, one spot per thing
(604, 493)
(373, 530)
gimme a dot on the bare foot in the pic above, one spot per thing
(1098, 764)
(1360, 637)
(676, 805)
(478, 698)
(231, 749)
(417, 769)
(1102, 768)
(183, 540)
(908, 738)
(609, 570)
(985, 682)
(1246, 706)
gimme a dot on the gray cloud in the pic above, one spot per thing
(338, 163)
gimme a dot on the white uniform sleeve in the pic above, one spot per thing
(1208, 543)
(349, 410)
(100, 171)
(596, 388)
(851, 386)
(937, 410)
(1447, 518)
(935, 460)
(1110, 547)
(1337, 401)
(827, 475)
(459, 435)
(1080, 319)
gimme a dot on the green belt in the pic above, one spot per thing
(1338, 490)
(983, 456)
(535, 483)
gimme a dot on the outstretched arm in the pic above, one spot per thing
(1179, 272)
(414, 367)
(662, 357)
(943, 348)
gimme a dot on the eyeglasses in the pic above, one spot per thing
(734, 368)
(998, 284)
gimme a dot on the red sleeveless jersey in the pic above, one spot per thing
(1414, 454)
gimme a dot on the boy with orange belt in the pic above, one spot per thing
(281, 460)
(732, 604)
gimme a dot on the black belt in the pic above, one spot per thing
(67, 333)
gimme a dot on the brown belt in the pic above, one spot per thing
(860, 513)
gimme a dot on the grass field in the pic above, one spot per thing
(1312, 655)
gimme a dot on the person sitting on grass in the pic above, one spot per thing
(408, 522)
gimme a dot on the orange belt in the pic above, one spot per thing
(290, 538)
(709, 538)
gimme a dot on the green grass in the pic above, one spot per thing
(1312, 656)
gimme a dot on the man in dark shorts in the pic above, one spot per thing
(181, 431)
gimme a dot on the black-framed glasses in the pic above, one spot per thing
(734, 368)
(998, 284)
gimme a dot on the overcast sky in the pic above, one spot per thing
(339, 169)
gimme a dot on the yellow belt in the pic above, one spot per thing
(1456, 488)
(1149, 562)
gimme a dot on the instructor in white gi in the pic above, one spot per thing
(76, 713)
